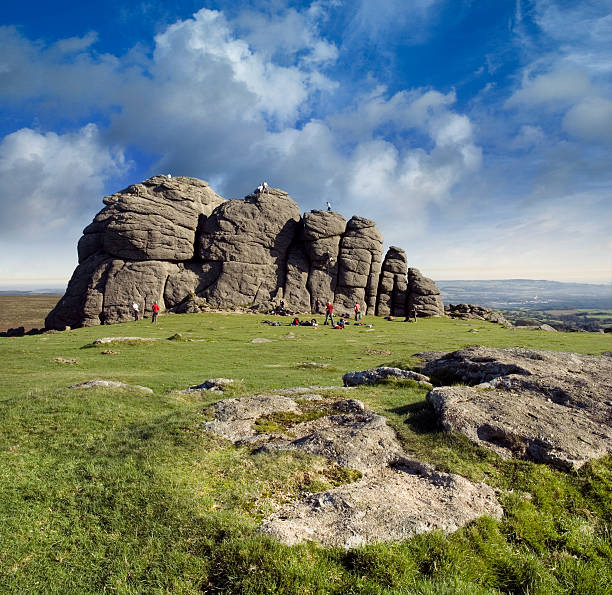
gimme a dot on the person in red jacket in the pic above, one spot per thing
(155, 309)
(357, 311)
(329, 313)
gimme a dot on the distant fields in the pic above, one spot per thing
(28, 311)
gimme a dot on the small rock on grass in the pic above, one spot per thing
(218, 384)
(377, 374)
(64, 360)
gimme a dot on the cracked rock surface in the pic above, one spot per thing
(545, 406)
(396, 497)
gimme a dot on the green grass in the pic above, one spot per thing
(123, 492)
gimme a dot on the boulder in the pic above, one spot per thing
(322, 233)
(393, 284)
(155, 220)
(378, 374)
(423, 295)
(395, 498)
(469, 311)
(544, 406)
(359, 263)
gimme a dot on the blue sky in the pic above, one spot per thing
(477, 134)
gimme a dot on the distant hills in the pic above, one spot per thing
(504, 294)
(526, 293)
(45, 291)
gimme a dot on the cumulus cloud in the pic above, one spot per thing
(591, 119)
(46, 177)
(556, 88)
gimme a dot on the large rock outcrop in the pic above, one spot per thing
(171, 240)
(545, 406)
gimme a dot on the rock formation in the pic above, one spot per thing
(545, 406)
(469, 311)
(395, 496)
(174, 240)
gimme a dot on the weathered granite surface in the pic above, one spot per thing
(176, 242)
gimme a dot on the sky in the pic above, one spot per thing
(477, 134)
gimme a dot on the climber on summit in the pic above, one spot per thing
(328, 206)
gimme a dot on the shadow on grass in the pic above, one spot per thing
(421, 417)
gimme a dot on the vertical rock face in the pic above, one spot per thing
(250, 238)
(393, 284)
(424, 295)
(359, 265)
(322, 234)
(169, 239)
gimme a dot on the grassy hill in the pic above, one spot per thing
(122, 491)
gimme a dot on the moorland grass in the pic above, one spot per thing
(123, 491)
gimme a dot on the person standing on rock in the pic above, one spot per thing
(265, 187)
(329, 315)
(328, 206)
(136, 309)
(155, 309)
(357, 309)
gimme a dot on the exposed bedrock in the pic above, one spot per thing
(545, 406)
(175, 241)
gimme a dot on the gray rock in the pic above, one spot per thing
(175, 241)
(251, 239)
(392, 504)
(155, 220)
(359, 264)
(377, 374)
(545, 406)
(423, 295)
(393, 284)
(396, 497)
(469, 311)
(214, 384)
(322, 234)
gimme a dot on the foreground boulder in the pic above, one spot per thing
(176, 242)
(395, 498)
(544, 406)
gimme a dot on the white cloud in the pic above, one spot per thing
(49, 180)
(557, 88)
(591, 119)
(378, 20)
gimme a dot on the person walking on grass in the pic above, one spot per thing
(136, 309)
(155, 309)
(412, 313)
(357, 309)
(329, 314)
